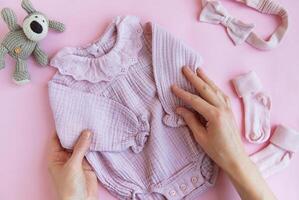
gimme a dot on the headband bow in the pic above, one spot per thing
(215, 13)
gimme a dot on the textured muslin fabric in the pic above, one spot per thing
(119, 88)
(240, 32)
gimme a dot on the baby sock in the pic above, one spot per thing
(277, 155)
(257, 106)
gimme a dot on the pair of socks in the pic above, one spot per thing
(257, 104)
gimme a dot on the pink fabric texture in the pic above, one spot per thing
(239, 32)
(257, 106)
(119, 88)
(278, 154)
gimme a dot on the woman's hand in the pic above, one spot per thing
(73, 177)
(219, 135)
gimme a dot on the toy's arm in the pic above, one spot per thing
(40, 56)
(57, 26)
(10, 19)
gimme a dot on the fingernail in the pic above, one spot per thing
(87, 134)
(185, 68)
(199, 70)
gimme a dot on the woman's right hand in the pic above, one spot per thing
(219, 136)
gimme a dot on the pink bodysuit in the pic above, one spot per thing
(119, 88)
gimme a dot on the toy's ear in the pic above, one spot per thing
(57, 26)
(27, 5)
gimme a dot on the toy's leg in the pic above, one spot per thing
(3, 52)
(21, 75)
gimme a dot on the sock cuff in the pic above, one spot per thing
(247, 83)
(286, 138)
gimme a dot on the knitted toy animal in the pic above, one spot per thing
(21, 42)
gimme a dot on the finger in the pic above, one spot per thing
(55, 145)
(56, 154)
(86, 165)
(93, 187)
(193, 123)
(224, 98)
(204, 89)
(200, 73)
(92, 180)
(196, 102)
(82, 146)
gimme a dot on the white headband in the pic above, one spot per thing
(214, 12)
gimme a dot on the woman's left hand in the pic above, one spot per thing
(72, 175)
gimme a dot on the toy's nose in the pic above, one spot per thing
(36, 27)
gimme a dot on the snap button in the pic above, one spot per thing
(109, 77)
(172, 192)
(194, 179)
(183, 187)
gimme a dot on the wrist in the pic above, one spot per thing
(248, 181)
(239, 166)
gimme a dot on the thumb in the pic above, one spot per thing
(82, 146)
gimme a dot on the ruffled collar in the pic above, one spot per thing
(102, 60)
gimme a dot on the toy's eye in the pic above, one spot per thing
(44, 21)
(36, 16)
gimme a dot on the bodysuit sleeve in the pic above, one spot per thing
(116, 128)
(169, 56)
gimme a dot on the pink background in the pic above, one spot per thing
(25, 117)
